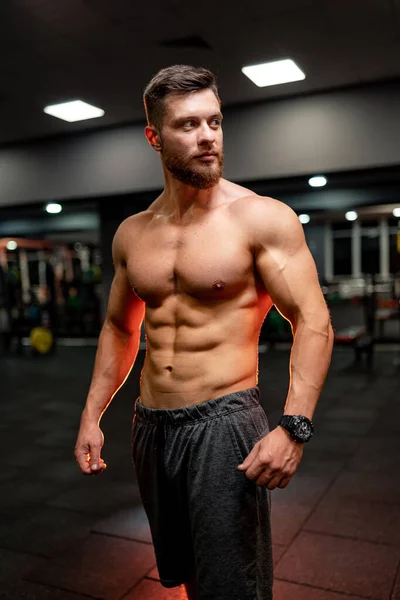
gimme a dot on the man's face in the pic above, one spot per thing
(192, 127)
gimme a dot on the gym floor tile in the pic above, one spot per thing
(376, 454)
(325, 462)
(363, 520)
(382, 487)
(25, 590)
(19, 495)
(148, 589)
(351, 413)
(31, 455)
(98, 494)
(153, 574)
(65, 438)
(8, 472)
(339, 445)
(103, 567)
(287, 519)
(389, 423)
(130, 523)
(341, 565)
(284, 590)
(362, 401)
(277, 551)
(52, 407)
(46, 423)
(304, 489)
(14, 566)
(45, 530)
(63, 470)
(352, 427)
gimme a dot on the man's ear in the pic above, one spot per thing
(153, 137)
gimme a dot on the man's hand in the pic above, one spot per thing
(273, 460)
(87, 448)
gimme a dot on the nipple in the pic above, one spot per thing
(219, 285)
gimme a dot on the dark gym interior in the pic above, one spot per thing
(64, 189)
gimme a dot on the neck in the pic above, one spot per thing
(179, 200)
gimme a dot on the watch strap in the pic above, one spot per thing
(287, 420)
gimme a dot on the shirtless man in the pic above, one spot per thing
(202, 266)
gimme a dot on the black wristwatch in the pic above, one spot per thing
(300, 428)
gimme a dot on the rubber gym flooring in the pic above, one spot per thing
(64, 536)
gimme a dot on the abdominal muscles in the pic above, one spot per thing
(195, 352)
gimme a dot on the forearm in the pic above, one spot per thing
(116, 354)
(309, 363)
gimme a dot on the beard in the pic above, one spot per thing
(201, 176)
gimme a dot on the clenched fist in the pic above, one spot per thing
(88, 446)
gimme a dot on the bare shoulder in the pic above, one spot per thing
(126, 231)
(254, 206)
(269, 221)
(266, 213)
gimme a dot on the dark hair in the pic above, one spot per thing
(177, 79)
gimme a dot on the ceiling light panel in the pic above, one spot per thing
(77, 110)
(274, 73)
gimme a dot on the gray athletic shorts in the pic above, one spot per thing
(207, 519)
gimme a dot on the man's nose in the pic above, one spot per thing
(206, 135)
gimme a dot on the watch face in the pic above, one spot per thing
(303, 430)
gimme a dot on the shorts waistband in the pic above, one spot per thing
(223, 405)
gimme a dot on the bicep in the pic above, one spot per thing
(291, 280)
(286, 265)
(125, 309)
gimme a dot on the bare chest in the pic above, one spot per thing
(208, 261)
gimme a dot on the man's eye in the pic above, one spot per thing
(189, 124)
(216, 122)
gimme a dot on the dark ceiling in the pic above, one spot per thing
(104, 52)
